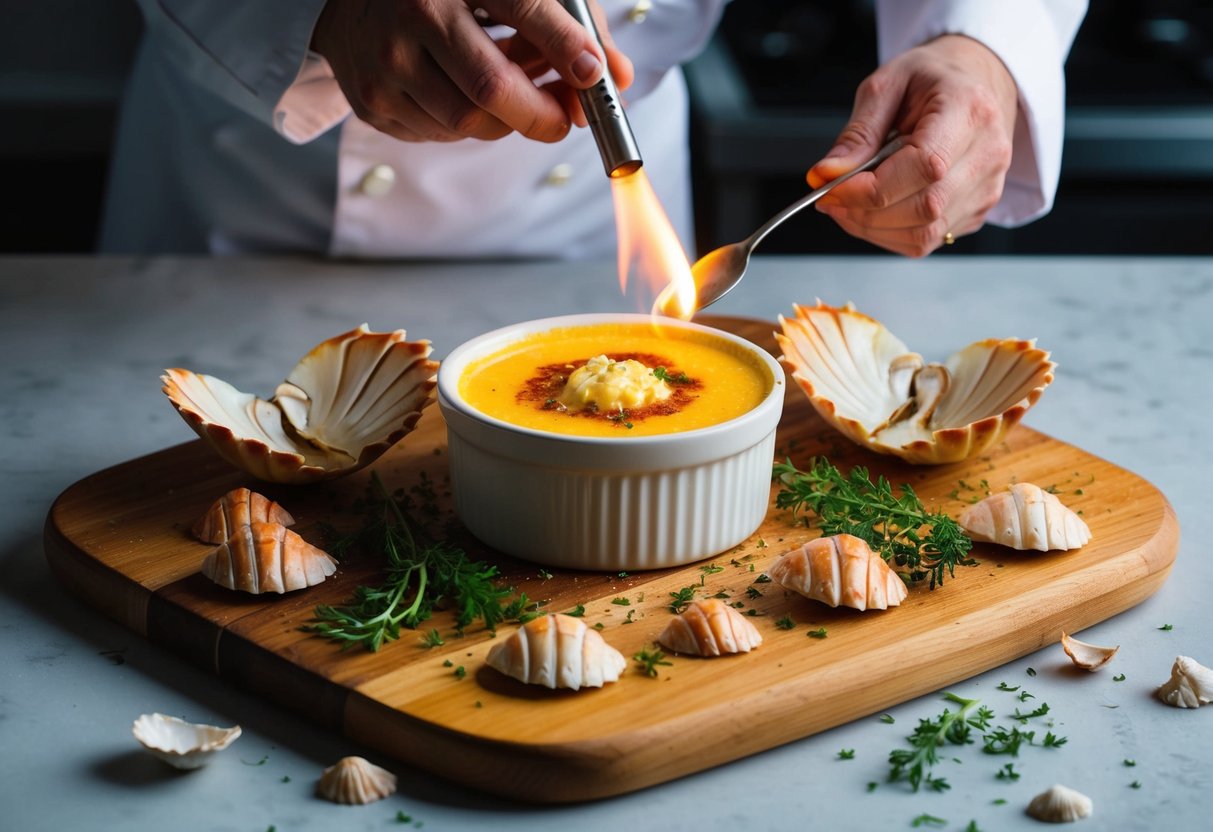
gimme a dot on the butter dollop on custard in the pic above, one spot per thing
(608, 385)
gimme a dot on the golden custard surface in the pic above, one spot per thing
(722, 380)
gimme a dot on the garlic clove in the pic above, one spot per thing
(1087, 656)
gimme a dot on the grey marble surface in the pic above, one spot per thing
(82, 342)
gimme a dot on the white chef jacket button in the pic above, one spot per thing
(640, 11)
(378, 180)
(559, 176)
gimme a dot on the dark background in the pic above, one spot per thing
(1137, 174)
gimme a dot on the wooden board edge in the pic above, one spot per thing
(103, 588)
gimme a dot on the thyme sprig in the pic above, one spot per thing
(421, 576)
(913, 764)
(920, 544)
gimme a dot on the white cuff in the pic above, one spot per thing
(313, 104)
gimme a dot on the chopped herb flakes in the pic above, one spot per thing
(649, 659)
(846, 754)
(785, 623)
(1119, 677)
(1167, 627)
(577, 611)
(820, 632)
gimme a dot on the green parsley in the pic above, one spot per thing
(1167, 627)
(1005, 686)
(764, 578)
(1008, 773)
(785, 623)
(260, 762)
(401, 817)
(621, 602)
(649, 659)
(286, 778)
(545, 575)
(1136, 784)
(1053, 741)
(628, 620)
(1023, 718)
(1031, 671)
(1129, 763)
(577, 611)
(927, 820)
(753, 592)
(913, 764)
(682, 599)
(420, 575)
(1024, 696)
(711, 569)
(887, 719)
(448, 663)
(663, 375)
(1119, 677)
(820, 632)
(892, 525)
(432, 639)
(1001, 741)
(999, 801)
(872, 785)
(460, 672)
(846, 754)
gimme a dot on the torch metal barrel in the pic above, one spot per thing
(604, 110)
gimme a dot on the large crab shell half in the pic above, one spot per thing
(348, 400)
(867, 384)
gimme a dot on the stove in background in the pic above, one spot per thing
(775, 86)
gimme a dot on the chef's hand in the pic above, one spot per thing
(956, 104)
(425, 70)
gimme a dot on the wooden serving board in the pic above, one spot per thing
(119, 540)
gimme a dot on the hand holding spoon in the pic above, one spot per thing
(720, 270)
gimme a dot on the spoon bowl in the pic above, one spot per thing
(718, 271)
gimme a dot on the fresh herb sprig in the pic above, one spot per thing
(921, 544)
(913, 764)
(421, 575)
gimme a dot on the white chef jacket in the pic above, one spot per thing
(235, 138)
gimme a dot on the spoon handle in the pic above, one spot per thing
(807, 200)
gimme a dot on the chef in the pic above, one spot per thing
(439, 128)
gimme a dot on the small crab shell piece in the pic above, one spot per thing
(349, 399)
(235, 509)
(267, 557)
(557, 651)
(1087, 656)
(181, 744)
(355, 781)
(867, 384)
(840, 570)
(710, 627)
(1025, 517)
(1190, 685)
(1060, 804)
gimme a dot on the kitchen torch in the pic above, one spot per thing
(604, 109)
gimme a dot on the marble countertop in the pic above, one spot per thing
(83, 341)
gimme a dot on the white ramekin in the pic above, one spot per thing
(627, 503)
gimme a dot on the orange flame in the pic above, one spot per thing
(649, 247)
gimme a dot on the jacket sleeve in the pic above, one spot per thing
(255, 56)
(1032, 38)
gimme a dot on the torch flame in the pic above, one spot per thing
(649, 246)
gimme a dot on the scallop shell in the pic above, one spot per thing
(841, 569)
(710, 627)
(866, 383)
(238, 507)
(1060, 805)
(355, 781)
(267, 557)
(1087, 656)
(557, 651)
(1025, 517)
(181, 744)
(348, 400)
(1190, 685)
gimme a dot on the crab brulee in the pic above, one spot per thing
(616, 379)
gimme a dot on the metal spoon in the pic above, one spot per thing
(720, 270)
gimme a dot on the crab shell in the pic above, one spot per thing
(868, 385)
(348, 400)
